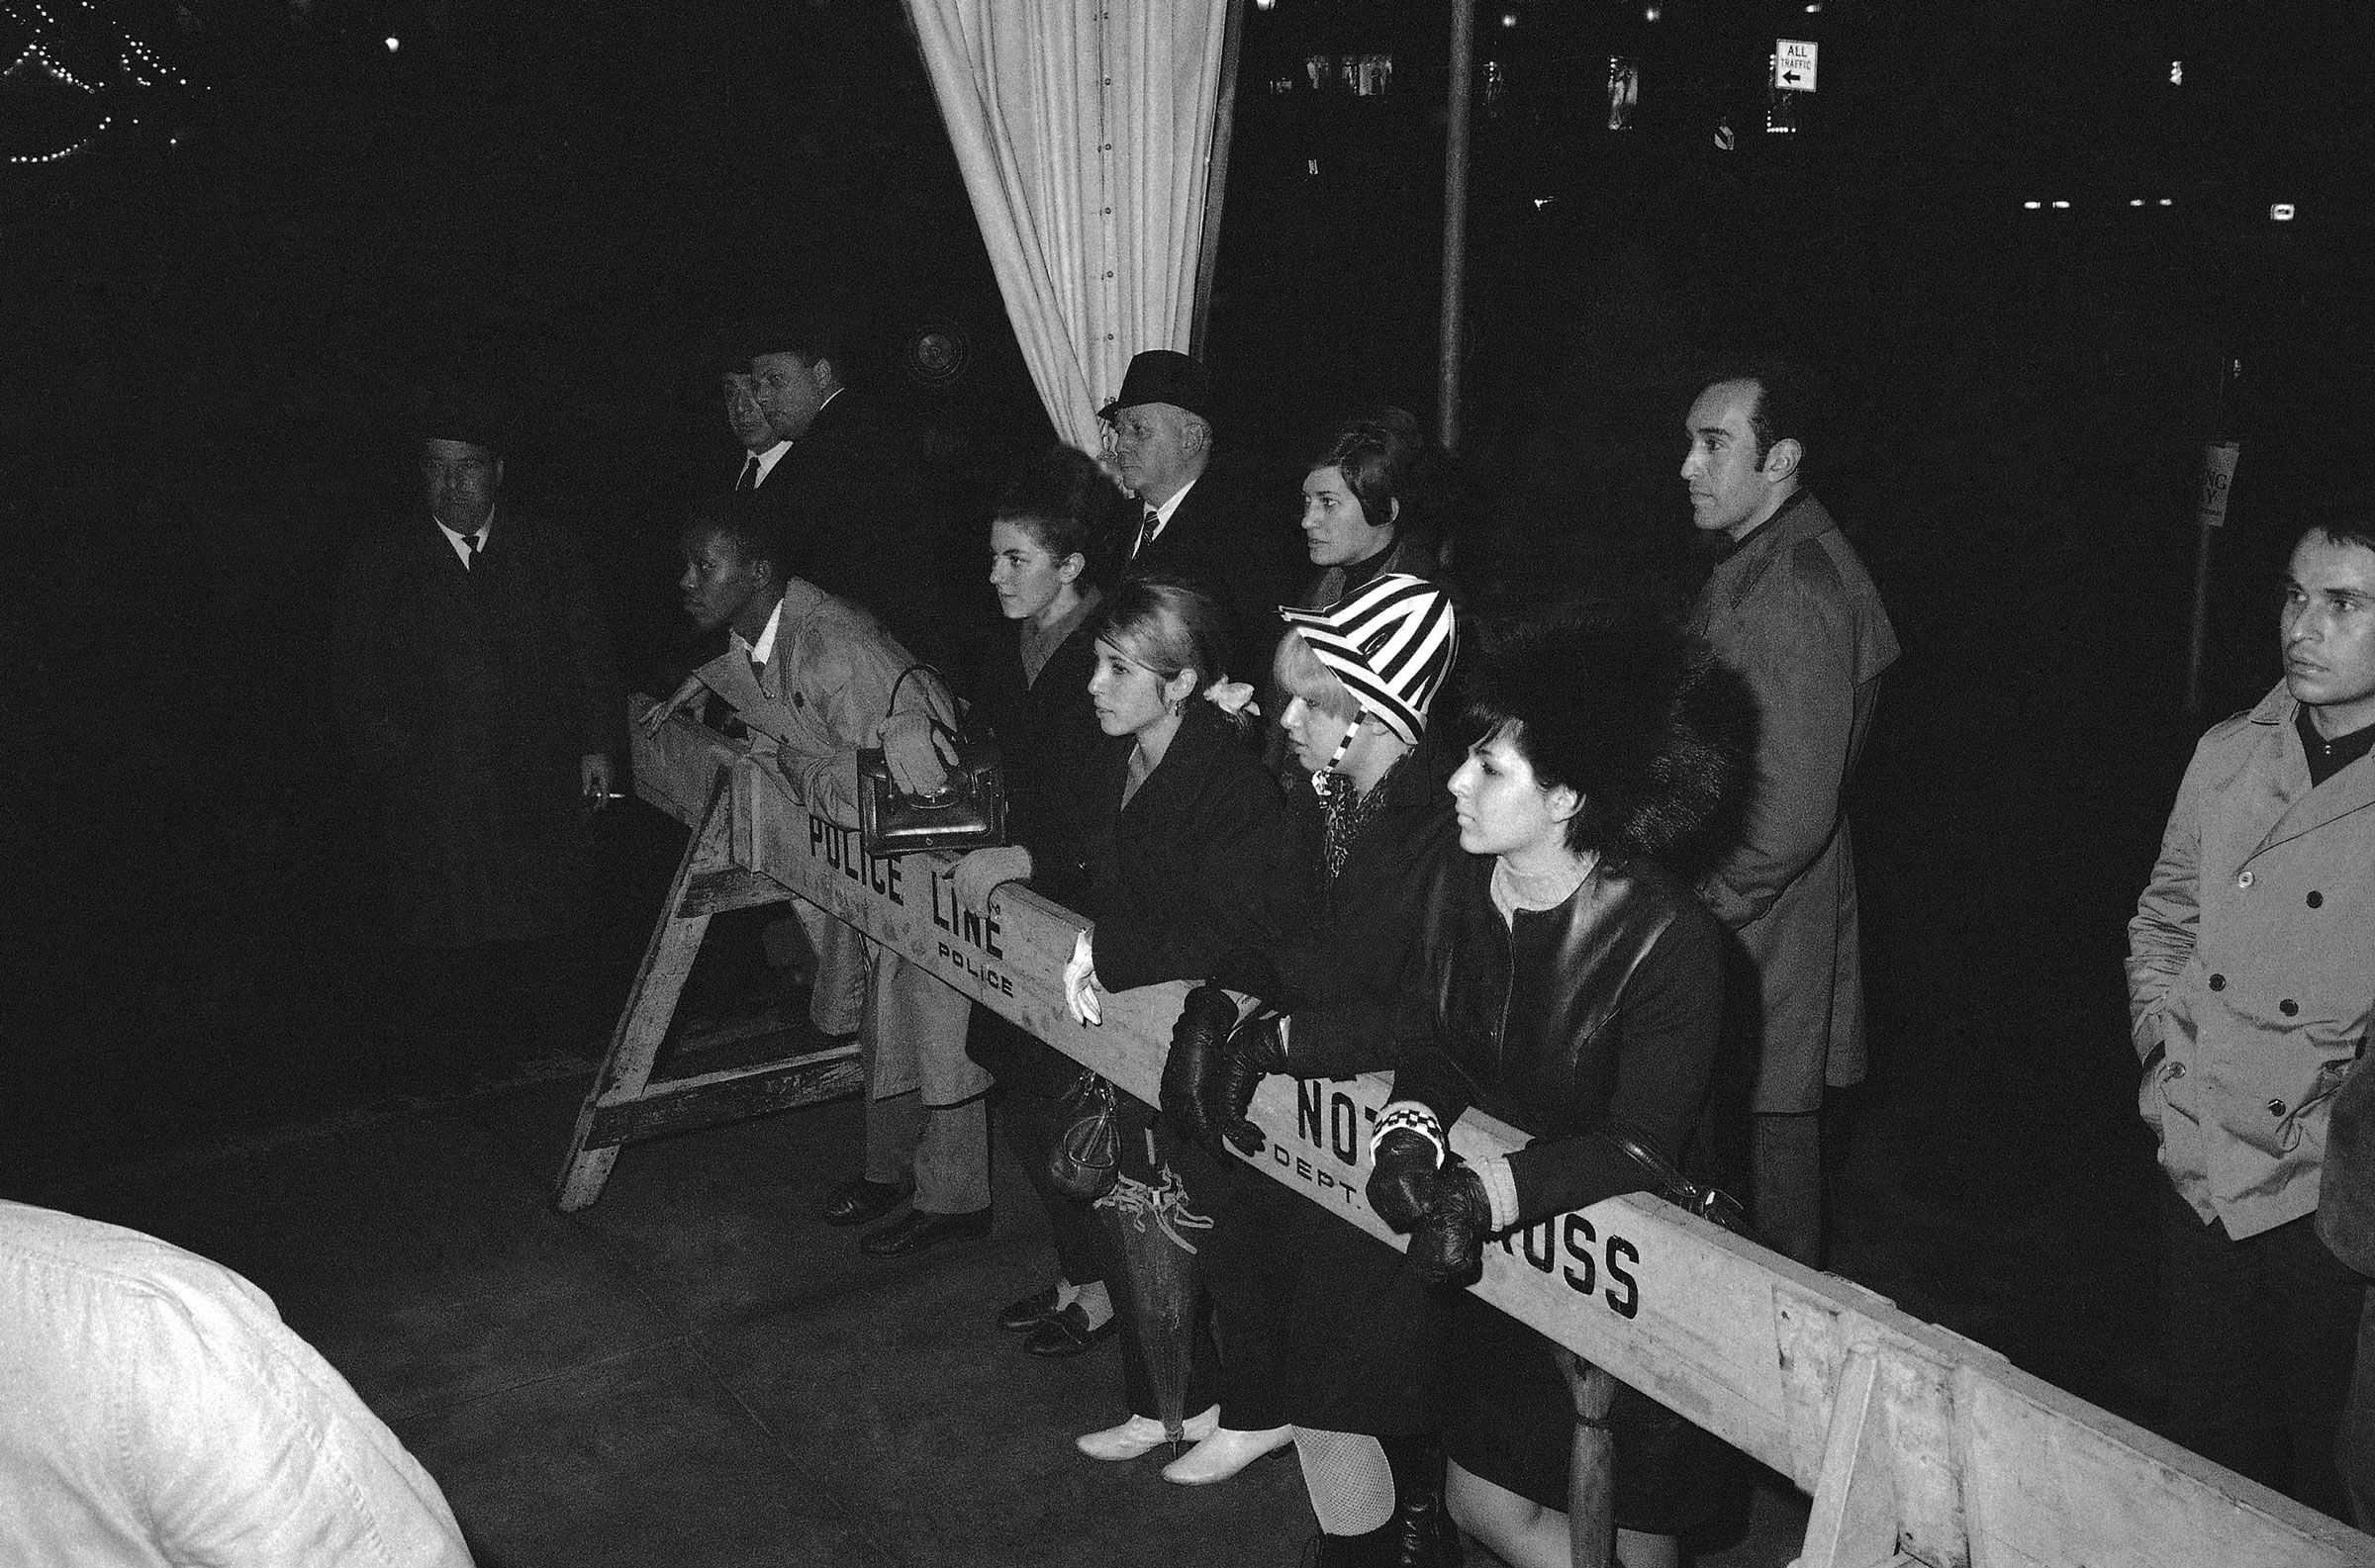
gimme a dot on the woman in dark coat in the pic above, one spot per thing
(1030, 697)
(1572, 987)
(1363, 1340)
(1177, 855)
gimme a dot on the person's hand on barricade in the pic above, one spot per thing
(982, 872)
(1080, 984)
(1194, 1060)
(658, 713)
(1401, 1176)
(1255, 1050)
(596, 780)
(915, 755)
(1447, 1246)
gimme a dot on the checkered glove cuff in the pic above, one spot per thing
(1411, 1117)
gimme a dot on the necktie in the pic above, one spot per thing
(1146, 531)
(758, 672)
(750, 474)
(470, 545)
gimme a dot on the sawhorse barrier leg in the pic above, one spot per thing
(625, 1104)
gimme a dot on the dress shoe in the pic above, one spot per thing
(916, 1230)
(1066, 1333)
(1022, 1316)
(1142, 1435)
(1223, 1453)
(858, 1200)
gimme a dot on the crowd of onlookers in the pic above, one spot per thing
(1587, 869)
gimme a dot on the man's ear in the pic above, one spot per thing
(499, 473)
(1781, 459)
(828, 379)
(1393, 508)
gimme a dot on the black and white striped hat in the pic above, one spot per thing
(1391, 641)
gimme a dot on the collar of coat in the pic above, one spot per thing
(2285, 798)
(1176, 779)
(1800, 519)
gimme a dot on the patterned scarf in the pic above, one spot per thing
(1349, 815)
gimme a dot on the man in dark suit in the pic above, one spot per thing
(1201, 517)
(855, 515)
(761, 447)
(472, 674)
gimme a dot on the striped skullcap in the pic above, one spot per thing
(1391, 642)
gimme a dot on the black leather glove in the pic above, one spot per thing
(1205, 1020)
(1447, 1246)
(1257, 1049)
(1401, 1180)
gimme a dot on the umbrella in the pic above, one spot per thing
(1149, 1222)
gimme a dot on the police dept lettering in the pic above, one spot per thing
(1336, 1127)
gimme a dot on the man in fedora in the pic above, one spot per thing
(1209, 522)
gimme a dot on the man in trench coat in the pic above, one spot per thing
(1791, 611)
(2251, 985)
(816, 678)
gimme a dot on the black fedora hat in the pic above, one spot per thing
(1162, 375)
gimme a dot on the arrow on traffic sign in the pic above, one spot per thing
(1791, 77)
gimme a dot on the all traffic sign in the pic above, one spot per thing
(1793, 64)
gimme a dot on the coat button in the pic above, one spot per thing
(2317, 901)
(2218, 982)
(2245, 880)
(2288, 1007)
(2177, 1071)
(2275, 1107)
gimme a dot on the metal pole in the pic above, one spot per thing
(1217, 185)
(1455, 221)
(2201, 624)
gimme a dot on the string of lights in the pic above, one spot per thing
(92, 54)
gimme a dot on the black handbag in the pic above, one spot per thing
(1087, 1154)
(1708, 1202)
(969, 813)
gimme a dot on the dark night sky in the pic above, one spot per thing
(211, 340)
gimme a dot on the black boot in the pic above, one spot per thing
(1421, 1534)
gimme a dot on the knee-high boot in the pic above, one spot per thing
(1420, 1534)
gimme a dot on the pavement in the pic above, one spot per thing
(695, 1371)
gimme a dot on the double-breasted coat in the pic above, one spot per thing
(2252, 967)
(1793, 614)
(469, 697)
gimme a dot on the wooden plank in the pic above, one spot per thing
(677, 1105)
(1987, 1466)
(1853, 1523)
(644, 1023)
(715, 893)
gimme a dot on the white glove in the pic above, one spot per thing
(1080, 984)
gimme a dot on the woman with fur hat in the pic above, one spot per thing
(1567, 983)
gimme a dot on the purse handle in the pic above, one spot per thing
(890, 708)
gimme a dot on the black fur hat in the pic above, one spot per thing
(1635, 717)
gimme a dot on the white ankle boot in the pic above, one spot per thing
(1223, 1453)
(1140, 1434)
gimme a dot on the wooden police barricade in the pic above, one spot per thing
(1918, 1445)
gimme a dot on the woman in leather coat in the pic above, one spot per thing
(1570, 986)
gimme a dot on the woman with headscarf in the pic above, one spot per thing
(1362, 1341)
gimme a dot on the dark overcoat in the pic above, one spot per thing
(858, 518)
(469, 697)
(1793, 614)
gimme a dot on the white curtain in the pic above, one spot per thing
(1085, 131)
